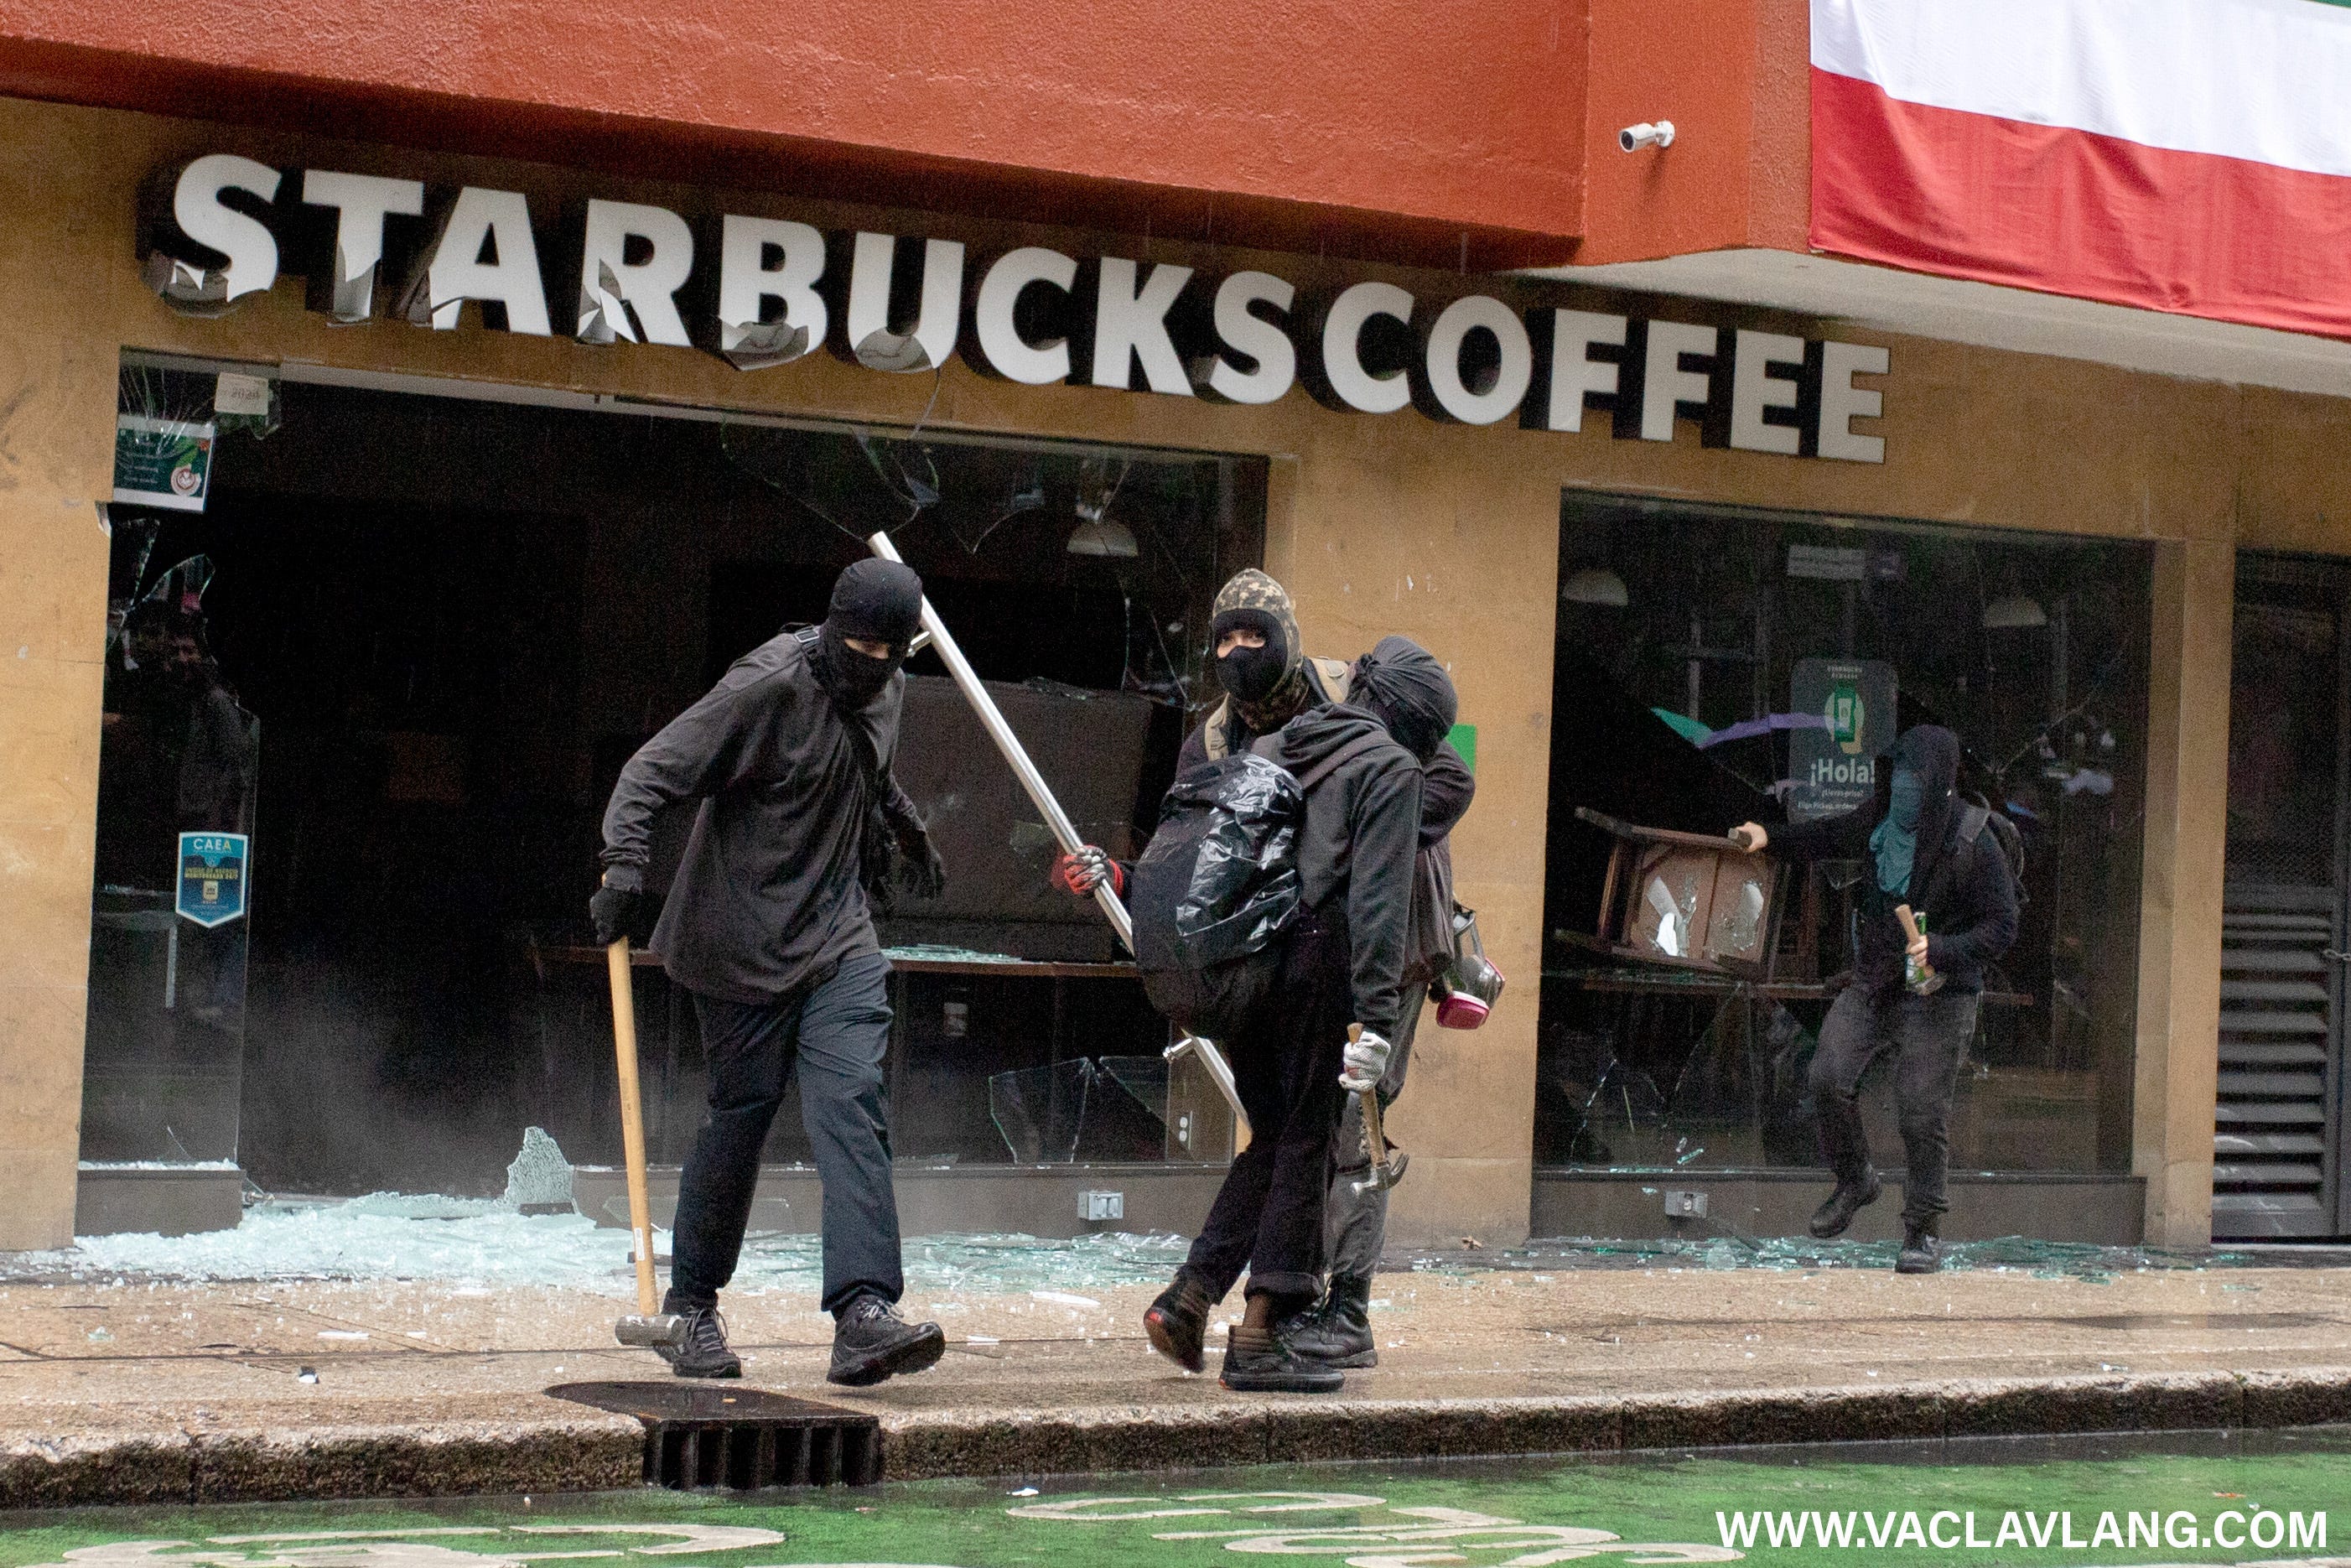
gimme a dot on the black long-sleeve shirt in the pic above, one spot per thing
(767, 893)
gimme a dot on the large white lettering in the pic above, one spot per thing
(1255, 337)
(1504, 384)
(1753, 389)
(1002, 349)
(612, 289)
(362, 202)
(783, 288)
(1573, 372)
(247, 242)
(938, 318)
(747, 281)
(1666, 388)
(1131, 327)
(1343, 349)
(1842, 402)
(485, 252)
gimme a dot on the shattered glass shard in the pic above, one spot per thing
(1039, 1110)
(540, 1179)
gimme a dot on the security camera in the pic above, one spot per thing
(1632, 137)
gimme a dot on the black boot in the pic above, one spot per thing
(872, 1342)
(1835, 1214)
(704, 1353)
(1177, 1320)
(1270, 1366)
(1337, 1331)
(1922, 1249)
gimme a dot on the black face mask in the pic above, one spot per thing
(850, 678)
(1251, 674)
(873, 601)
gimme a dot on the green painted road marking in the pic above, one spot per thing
(2271, 1495)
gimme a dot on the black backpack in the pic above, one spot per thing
(1217, 887)
(1975, 815)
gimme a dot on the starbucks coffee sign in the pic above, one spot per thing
(765, 291)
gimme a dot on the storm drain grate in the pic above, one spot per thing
(710, 1437)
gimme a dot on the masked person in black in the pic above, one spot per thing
(1927, 847)
(1339, 963)
(1400, 683)
(1267, 679)
(768, 925)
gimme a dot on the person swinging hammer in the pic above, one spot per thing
(768, 925)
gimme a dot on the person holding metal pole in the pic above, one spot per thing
(1324, 1031)
(768, 925)
(1267, 679)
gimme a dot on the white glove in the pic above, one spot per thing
(1366, 1056)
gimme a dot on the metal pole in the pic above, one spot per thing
(1056, 821)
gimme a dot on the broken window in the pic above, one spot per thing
(454, 621)
(1713, 666)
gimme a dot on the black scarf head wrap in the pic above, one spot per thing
(1403, 684)
(872, 600)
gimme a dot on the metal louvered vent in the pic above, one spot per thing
(713, 1438)
(2271, 1163)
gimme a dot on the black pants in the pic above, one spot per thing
(1267, 1216)
(1930, 1038)
(837, 1029)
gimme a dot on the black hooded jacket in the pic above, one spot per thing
(767, 894)
(1357, 844)
(1959, 887)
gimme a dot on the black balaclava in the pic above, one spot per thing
(1267, 685)
(875, 601)
(1402, 685)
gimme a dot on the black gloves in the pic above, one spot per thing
(614, 911)
(921, 871)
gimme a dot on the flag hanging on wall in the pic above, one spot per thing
(2191, 156)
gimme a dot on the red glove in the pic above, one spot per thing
(1078, 874)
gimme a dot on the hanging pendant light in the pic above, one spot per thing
(2014, 612)
(1595, 585)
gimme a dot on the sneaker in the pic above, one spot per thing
(1275, 1368)
(872, 1342)
(705, 1351)
(1177, 1320)
(1338, 1331)
(1922, 1250)
(1833, 1218)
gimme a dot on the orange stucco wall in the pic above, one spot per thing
(1478, 135)
(1298, 122)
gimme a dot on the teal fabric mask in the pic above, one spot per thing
(1895, 843)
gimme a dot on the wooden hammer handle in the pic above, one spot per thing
(633, 1117)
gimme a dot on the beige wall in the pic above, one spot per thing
(1447, 534)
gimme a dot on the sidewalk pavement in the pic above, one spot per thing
(150, 1390)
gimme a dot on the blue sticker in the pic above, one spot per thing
(212, 877)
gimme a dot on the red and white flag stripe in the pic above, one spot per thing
(2183, 155)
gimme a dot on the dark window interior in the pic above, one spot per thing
(1679, 636)
(451, 622)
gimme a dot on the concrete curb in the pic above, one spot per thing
(591, 1452)
(1304, 1429)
